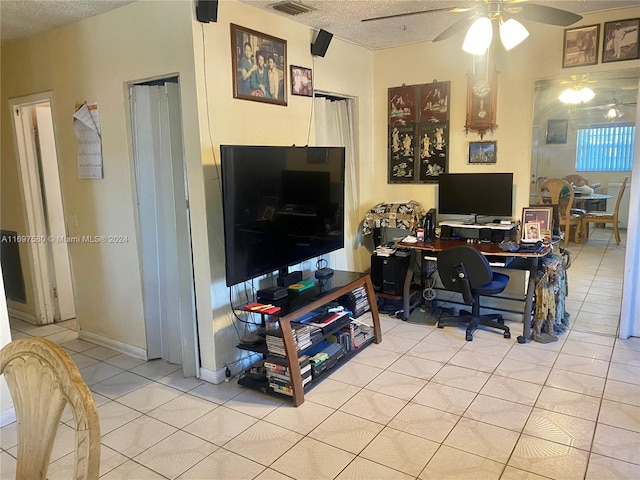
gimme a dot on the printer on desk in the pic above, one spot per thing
(489, 233)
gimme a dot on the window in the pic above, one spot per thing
(605, 149)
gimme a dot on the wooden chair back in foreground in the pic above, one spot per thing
(605, 217)
(42, 378)
(560, 191)
(577, 180)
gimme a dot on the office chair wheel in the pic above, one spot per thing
(507, 335)
(440, 324)
(521, 339)
(469, 337)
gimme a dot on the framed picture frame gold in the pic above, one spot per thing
(259, 66)
(580, 46)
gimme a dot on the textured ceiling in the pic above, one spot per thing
(22, 18)
(343, 17)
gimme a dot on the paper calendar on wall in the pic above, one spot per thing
(86, 124)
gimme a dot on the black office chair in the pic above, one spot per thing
(464, 269)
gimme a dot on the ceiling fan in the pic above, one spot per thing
(478, 16)
(613, 109)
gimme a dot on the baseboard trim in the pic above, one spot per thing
(219, 376)
(24, 316)
(121, 347)
(7, 417)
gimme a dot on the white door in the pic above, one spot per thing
(42, 196)
(163, 217)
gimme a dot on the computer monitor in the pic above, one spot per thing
(489, 194)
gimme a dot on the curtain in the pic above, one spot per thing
(334, 128)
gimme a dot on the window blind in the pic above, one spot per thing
(605, 149)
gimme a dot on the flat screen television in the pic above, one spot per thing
(476, 194)
(281, 206)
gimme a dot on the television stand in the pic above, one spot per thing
(296, 305)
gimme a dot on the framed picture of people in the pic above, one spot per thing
(620, 40)
(537, 224)
(301, 81)
(581, 46)
(259, 66)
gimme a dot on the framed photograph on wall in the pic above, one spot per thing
(483, 152)
(259, 66)
(620, 40)
(301, 81)
(557, 131)
(580, 46)
(537, 224)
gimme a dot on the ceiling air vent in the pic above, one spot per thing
(292, 8)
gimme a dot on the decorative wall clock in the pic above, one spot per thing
(482, 95)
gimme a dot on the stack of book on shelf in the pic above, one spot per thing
(277, 372)
(356, 301)
(325, 320)
(301, 337)
(360, 333)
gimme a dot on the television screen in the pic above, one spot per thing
(281, 205)
(475, 194)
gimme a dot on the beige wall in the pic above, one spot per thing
(540, 56)
(346, 69)
(93, 60)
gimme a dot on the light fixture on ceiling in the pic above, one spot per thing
(577, 93)
(480, 34)
(613, 113)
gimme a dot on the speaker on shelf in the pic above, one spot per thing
(207, 11)
(320, 46)
(430, 225)
(446, 232)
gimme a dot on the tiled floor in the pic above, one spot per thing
(423, 404)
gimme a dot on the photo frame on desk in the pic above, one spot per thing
(537, 224)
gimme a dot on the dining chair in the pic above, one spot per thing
(42, 378)
(605, 217)
(561, 192)
(575, 179)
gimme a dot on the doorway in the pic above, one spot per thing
(42, 196)
(163, 223)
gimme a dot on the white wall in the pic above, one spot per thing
(6, 403)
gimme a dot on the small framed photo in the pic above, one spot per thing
(483, 152)
(581, 46)
(259, 66)
(301, 81)
(557, 131)
(537, 224)
(620, 40)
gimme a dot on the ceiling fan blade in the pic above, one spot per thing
(544, 14)
(456, 28)
(447, 9)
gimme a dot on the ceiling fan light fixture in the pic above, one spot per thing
(512, 33)
(613, 113)
(478, 37)
(575, 95)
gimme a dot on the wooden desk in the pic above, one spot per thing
(521, 260)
